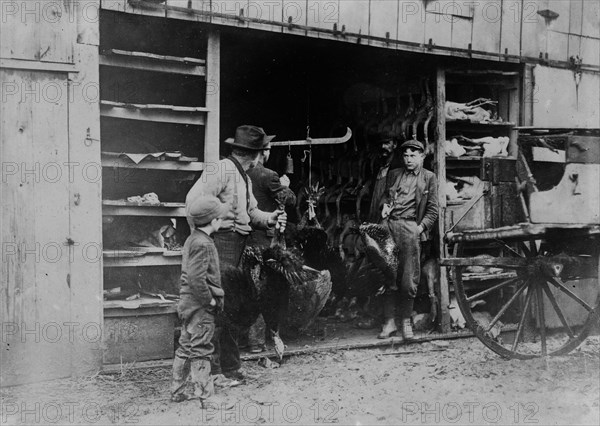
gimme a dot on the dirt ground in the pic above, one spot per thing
(440, 382)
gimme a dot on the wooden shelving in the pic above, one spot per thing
(154, 63)
(195, 116)
(128, 208)
(119, 162)
(467, 161)
(138, 258)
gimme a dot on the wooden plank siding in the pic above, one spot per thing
(50, 192)
(38, 31)
(35, 226)
(495, 29)
(85, 194)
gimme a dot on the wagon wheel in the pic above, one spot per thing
(537, 311)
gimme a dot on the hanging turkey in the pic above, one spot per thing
(292, 294)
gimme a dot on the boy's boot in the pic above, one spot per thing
(203, 382)
(179, 379)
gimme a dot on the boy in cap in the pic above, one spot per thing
(201, 299)
(410, 210)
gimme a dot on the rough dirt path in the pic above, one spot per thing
(448, 382)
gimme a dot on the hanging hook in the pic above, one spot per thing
(307, 153)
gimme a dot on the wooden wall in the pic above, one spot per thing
(557, 101)
(50, 293)
(493, 29)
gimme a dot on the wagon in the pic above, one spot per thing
(542, 297)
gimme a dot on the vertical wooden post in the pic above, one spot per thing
(85, 195)
(527, 96)
(213, 90)
(440, 165)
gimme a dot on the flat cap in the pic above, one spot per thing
(414, 144)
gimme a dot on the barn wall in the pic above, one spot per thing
(492, 29)
(558, 102)
(50, 298)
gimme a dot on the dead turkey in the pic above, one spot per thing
(311, 241)
(381, 252)
(292, 294)
(242, 286)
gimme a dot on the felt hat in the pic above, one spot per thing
(386, 136)
(206, 208)
(414, 144)
(251, 137)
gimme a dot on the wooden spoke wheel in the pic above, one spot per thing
(545, 304)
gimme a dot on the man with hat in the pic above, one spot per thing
(391, 160)
(228, 180)
(410, 209)
(269, 190)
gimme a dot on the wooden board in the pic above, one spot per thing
(322, 14)
(510, 34)
(57, 30)
(298, 12)
(123, 258)
(354, 15)
(157, 113)
(384, 18)
(154, 63)
(557, 46)
(569, 202)
(213, 97)
(35, 223)
(533, 36)
(153, 165)
(576, 16)
(590, 26)
(87, 17)
(438, 28)
(461, 33)
(487, 24)
(440, 169)
(411, 22)
(85, 208)
(590, 50)
(264, 12)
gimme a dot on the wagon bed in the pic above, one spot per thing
(541, 295)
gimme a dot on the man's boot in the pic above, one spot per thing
(407, 331)
(389, 329)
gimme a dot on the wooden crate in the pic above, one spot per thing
(142, 334)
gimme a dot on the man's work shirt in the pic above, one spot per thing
(405, 203)
(223, 180)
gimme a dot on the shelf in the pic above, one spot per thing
(151, 62)
(142, 303)
(152, 112)
(131, 258)
(127, 208)
(465, 162)
(119, 162)
(482, 126)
